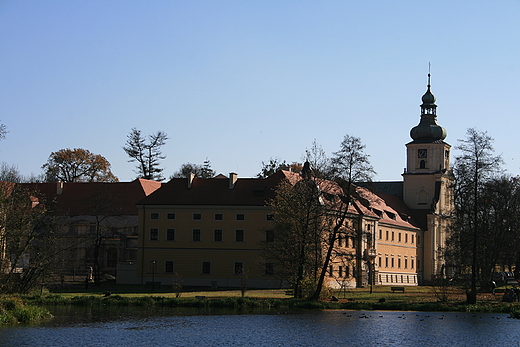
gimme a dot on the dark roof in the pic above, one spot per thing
(216, 191)
(388, 187)
(92, 198)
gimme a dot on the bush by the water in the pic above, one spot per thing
(13, 310)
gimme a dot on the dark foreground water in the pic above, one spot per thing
(309, 328)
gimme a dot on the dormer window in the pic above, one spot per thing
(378, 213)
(390, 215)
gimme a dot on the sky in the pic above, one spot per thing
(240, 82)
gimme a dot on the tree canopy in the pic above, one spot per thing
(77, 165)
(274, 164)
(200, 171)
(3, 131)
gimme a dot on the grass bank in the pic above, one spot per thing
(382, 298)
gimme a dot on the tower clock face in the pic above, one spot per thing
(422, 153)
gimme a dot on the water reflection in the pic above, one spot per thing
(309, 328)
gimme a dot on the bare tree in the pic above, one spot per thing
(296, 247)
(474, 167)
(320, 163)
(146, 152)
(29, 249)
(351, 164)
(312, 212)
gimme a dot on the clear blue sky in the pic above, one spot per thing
(239, 82)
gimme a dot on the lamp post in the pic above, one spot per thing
(154, 262)
(371, 256)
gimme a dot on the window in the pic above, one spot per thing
(380, 234)
(239, 268)
(418, 242)
(331, 270)
(197, 216)
(393, 237)
(393, 262)
(386, 261)
(340, 271)
(380, 261)
(411, 263)
(206, 267)
(154, 234)
(270, 217)
(170, 215)
(219, 216)
(418, 263)
(398, 263)
(217, 235)
(406, 238)
(340, 240)
(386, 236)
(112, 257)
(196, 235)
(170, 234)
(240, 216)
(269, 269)
(405, 263)
(399, 237)
(413, 238)
(269, 236)
(347, 271)
(422, 197)
(168, 266)
(239, 235)
(154, 215)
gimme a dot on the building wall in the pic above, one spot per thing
(204, 245)
(399, 255)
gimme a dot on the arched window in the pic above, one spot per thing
(422, 164)
(422, 197)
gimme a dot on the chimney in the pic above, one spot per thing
(190, 178)
(59, 188)
(232, 180)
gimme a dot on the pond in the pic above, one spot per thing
(128, 327)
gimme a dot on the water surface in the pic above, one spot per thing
(293, 328)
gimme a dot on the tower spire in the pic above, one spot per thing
(428, 130)
(429, 74)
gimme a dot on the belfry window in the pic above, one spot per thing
(422, 197)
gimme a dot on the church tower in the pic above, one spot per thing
(428, 183)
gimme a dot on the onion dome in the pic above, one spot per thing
(428, 130)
